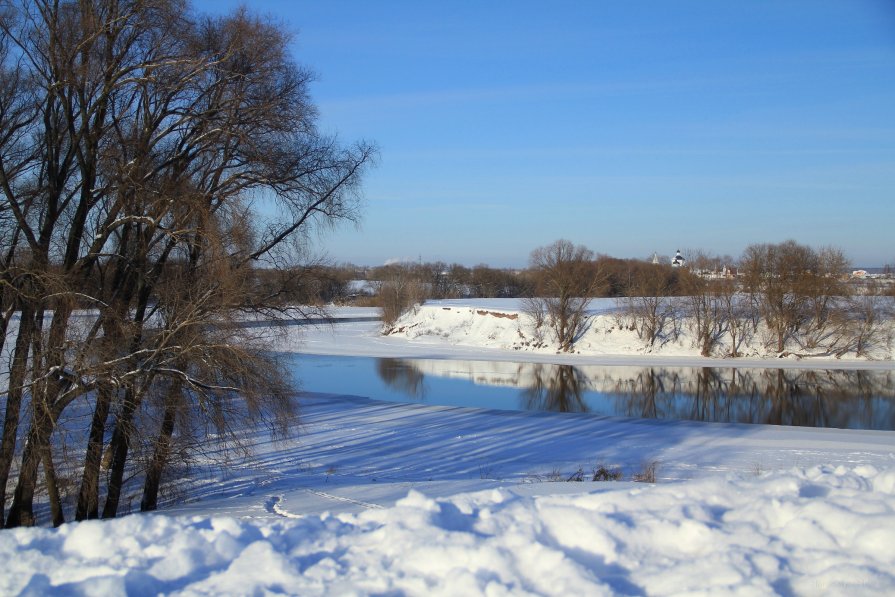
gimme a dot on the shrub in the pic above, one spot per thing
(647, 473)
(398, 294)
(604, 473)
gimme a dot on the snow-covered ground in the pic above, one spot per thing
(820, 531)
(381, 498)
(502, 326)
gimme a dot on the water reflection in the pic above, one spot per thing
(401, 375)
(558, 388)
(827, 398)
(815, 398)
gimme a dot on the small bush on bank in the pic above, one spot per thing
(604, 473)
(647, 473)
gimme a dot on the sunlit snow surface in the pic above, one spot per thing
(816, 531)
(381, 498)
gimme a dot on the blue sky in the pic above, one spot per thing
(629, 127)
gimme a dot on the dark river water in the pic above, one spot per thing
(856, 399)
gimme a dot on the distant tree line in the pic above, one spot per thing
(794, 297)
(787, 292)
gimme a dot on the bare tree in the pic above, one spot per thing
(142, 129)
(565, 280)
(779, 277)
(800, 294)
(18, 149)
(711, 303)
(827, 300)
(864, 324)
(402, 286)
(650, 303)
(737, 313)
(708, 316)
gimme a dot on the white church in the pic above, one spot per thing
(677, 261)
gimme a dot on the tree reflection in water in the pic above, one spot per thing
(856, 399)
(402, 375)
(812, 398)
(557, 388)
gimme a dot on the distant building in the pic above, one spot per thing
(678, 260)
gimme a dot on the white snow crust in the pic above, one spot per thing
(819, 531)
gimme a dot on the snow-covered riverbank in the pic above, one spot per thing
(471, 329)
(502, 325)
(371, 497)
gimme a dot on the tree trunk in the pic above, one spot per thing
(88, 494)
(161, 452)
(21, 511)
(17, 374)
(119, 447)
(52, 486)
(46, 407)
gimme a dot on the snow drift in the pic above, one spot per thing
(805, 531)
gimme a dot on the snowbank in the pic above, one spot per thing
(804, 532)
(503, 325)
